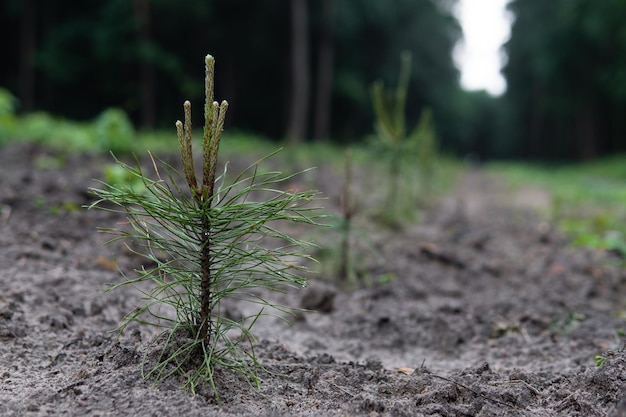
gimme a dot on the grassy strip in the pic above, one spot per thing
(588, 199)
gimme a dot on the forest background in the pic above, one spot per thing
(298, 70)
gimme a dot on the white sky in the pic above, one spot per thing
(486, 26)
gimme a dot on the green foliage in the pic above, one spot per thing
(599, 360)
(566, 323)
(370, 35)
(7, 115)
(207, 242)
(56, 132)
(404, 150)
(565, 75)
(111, 131)
(81, 41)
(427, 152)
(619, 343)
(480, 125)
(114, 131)
(118, 175)
(55, 208)
(588, 200)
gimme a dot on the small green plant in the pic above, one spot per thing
(619, 344)
(345, 253)
(116, 174)
(566, 323)
(599, 360)
(8, 120)
(404, 150)
(206, 243)
(427, 152)
(114, 131)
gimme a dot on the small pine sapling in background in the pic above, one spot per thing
(114, 131)
(348, 208)
(427, 154)
(398, 145)
(205, 243)
(353, 253)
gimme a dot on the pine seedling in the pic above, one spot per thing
(205, 242)
(400, 146)
(347, 254)
(348, 210)
(427, 152)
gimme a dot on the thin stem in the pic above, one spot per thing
(214, 116)
(401, 93)
(394, 173)
(348, 212)
(206, 283)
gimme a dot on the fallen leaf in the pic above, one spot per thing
(106, 263)
(404, 370)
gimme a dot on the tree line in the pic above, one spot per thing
(566, 76)
(293, 69)
(301, 70)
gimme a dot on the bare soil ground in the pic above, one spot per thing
(486, 311)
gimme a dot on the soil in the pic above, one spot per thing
(479, 309)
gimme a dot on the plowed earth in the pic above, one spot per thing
(485, 310)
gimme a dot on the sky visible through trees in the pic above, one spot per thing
(486, 26)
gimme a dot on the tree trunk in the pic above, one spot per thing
(27, 56)
(325, 73)
(147, 76)
(205, 330)
(299, 109)
(586, 131)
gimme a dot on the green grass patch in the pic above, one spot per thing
(588, 199)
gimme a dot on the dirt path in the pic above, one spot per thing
(484, 311)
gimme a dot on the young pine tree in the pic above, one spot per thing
(404, 150)
(205, 242)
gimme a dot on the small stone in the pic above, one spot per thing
(319, 297)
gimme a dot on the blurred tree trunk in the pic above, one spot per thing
(325, 68)
(27, 56)
(147, 77)
(618, 127)
(586, 131)
(535, 124)
(298, 113)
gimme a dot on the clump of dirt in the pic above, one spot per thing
(484, 310)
